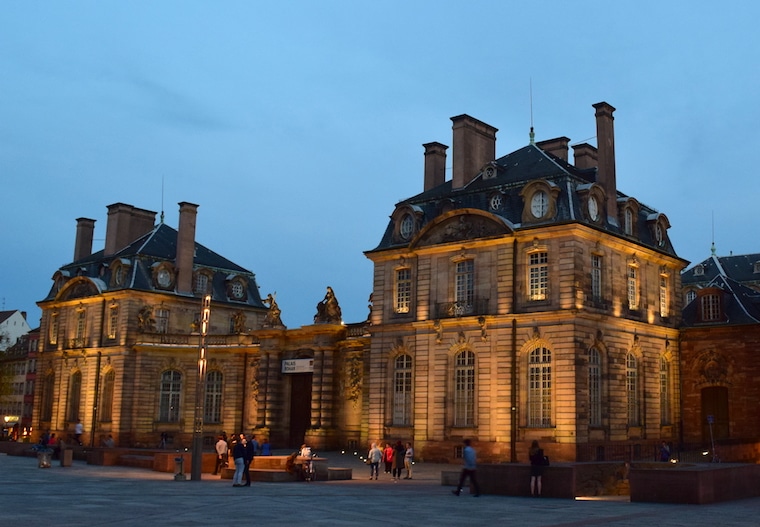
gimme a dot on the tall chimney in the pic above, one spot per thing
(585, 156)
(125, 225)
(83, 242)
(435, 164)
(474, 146)
(556, 147)
(605, 138)
(186, 246)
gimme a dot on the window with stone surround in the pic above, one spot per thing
(48, 392)
(664, 391)
(633, 287)
(594, 388)
(403, 290)
(113, 321)
(464, 389)
(464, 284)
(75, 396)
(106, 397)
(53, 334)
(540, 388)
(632, 389)
(162, 320)
(710, 307)
(664, 296)
(538, 275)
(169, 397)
(212, 410)
(402, 390)
(596, 277)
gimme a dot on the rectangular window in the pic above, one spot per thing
(465, 286)
(213, 407)
(464, 389)
(632, 389)
(106, 397)
(403, 290)
(538, 270)
(633, 288)
(113, 321)
(81, 325)
(594, 388)
(596, 278)
(53, 338)
(162, 320)
(171, 386)
(540, 388)
(664, 297)
(402, 391)
(710, 307)
(664, 392)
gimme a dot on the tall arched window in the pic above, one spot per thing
(664, 391)
(46, 405)
(540, 388)
(632, 389)
(594, 388)
(464, 389)
(75, 393)
(402, 390)
(171, 389)
(106, 397)
(213, 407)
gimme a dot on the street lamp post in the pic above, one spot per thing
(197, 457)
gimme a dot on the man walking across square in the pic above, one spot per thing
(469, 470)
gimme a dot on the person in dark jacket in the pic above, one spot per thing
(250, 452)
(238, 455)
(537, 464)
(398, 460)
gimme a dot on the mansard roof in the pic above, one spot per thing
(737, 277)
(513, 172)
(140, 258)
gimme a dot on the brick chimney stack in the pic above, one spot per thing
(605, 138)
(585, 156)
(474, 146)
(557, 147)
(125, 225)
(186, 247)
(83, 242)
(435, 164)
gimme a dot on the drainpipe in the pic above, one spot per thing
(95, 402)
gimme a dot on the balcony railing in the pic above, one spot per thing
(478, 306)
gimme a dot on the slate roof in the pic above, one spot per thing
(160, 245)
(514, 171)
(736, 277)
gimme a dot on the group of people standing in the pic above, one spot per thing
(244, 448)
(396, 458)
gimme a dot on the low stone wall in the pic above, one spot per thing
(513, 479)
(696, 483)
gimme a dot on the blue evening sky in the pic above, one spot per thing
(297, 125)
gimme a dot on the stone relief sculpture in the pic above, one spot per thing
(354, 376)
(145, 320)
(238, 322)
(328, 310)
(272, 318)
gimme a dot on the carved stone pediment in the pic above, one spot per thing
(462, 227)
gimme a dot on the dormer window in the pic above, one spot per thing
(710, 307)
(236, 288)
(756, 269)
(699, 270)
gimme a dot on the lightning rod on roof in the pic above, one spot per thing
(162, 199)
(531, 135)
(712, 226)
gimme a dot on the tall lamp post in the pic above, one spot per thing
(197, 457)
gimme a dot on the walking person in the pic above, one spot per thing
(374, 456)
(238, 456)
(537, 464)
(469, 469)
(78, 431)
(408, 458)
(221, 455)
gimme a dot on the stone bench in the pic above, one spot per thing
(131, 460)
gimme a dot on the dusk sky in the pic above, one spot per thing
(296, 126)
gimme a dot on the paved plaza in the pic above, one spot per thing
(95, 495)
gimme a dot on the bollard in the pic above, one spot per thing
(179, 471)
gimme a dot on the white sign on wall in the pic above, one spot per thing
(298, 366)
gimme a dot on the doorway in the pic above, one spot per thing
(300, 408)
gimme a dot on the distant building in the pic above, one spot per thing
(13, 324)
(720, 354)
(525, 298)
(19, 366)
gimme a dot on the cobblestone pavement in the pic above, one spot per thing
(93, 495)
